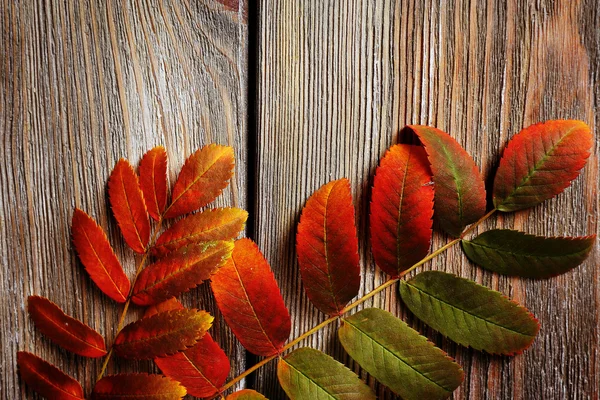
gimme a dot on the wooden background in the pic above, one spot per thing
(306, 91)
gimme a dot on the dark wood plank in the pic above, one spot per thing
(83, 84)
(336, 82)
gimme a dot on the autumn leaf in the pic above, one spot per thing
(246, 394)
(203, 177)
(401, 209)
(202, 369)
(214, 224)
(98, 257)
(327, 247)
(540, 162)
(180, 271)
(162, 334)
(398, 356)
(46, 379)
(127, 202)
(469, 314)
(153, 181)
(459, 188)
(139, 387)
(311, 374)
(249, 299)
(63, 330)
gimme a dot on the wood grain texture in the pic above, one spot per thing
(83, 84)
(336, 82)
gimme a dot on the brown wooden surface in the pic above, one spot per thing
(82, 85)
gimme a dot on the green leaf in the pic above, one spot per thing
(511, 252)
(398, 356)
(246, 394)
(469, 314)
(310, 374)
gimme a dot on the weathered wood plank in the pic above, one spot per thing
(336, 82)
(83, 84)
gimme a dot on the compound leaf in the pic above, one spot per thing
(511, 252)
(46, 379)
(540, 162)
(469, 314)
(163, 334)
(153, 181)
(127, 202)
(98, 257)
(459, 187)
(311, 374)
(398, 356)
(203, 177)
(214, 224)
(63, 330)
(327, 247)
(249, 299)
(180, 271)
(246, 394)
(139, 387)
(401, 209)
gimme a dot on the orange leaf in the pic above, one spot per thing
(327, 247)
(65, 331)
(153, 180)
(162, 334)
(129, 208)
(214, 224)
(46, 379)
(98, 257)
(249, 298)
(138, 386)
(203, 177)
(180, 271)
(202, 369)
(401, 209)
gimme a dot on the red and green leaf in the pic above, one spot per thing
(46, 379)
(327, 247)
(511, 252)
(459, 187)
(127, 202)
(213, 224)
(246, 394)
(139, 387)
(202, 369)
(63, 330)
(540, 162)
(98, 257)
(153, 181)
(398, 356)
(180, 271)
(249, 299)
(469, 314)
(401, 209)
(163, 334)
(203, 177)
(311, 374)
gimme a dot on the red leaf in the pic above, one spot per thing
(138, 386)
(215, 224)
(202, 369)
(203, 177)
(127, 202)
(249, 298)
(327, 247)
(401, 209)
(46, 379)
(65, 331)
(459, 188)
(162, 334)
(98, 257)
(180, 271)
(153, 180)
(540, 162)
(246, 394)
